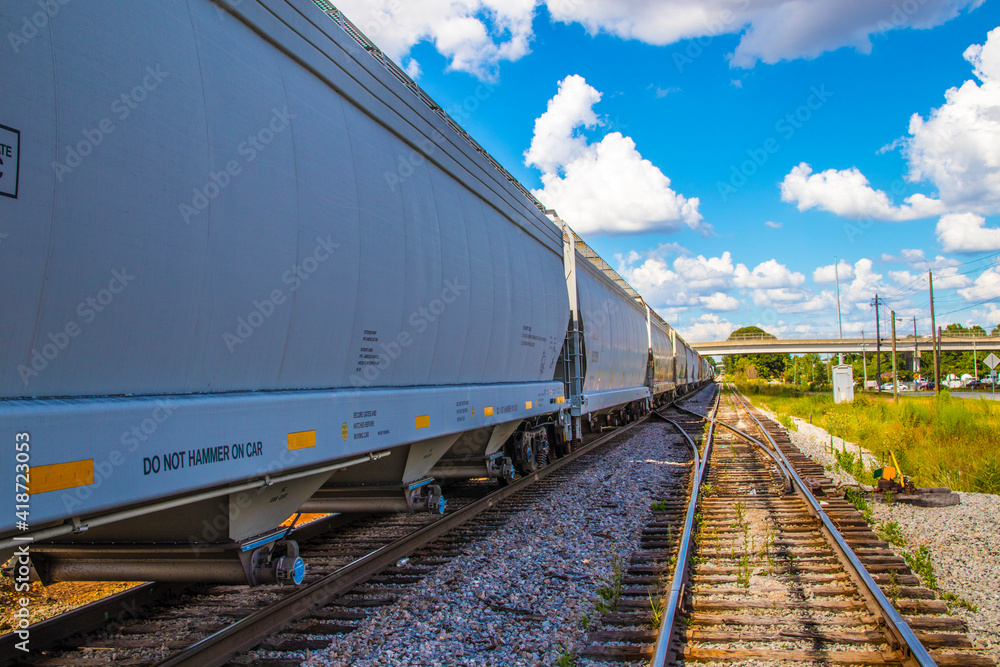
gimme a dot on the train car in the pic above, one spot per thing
(247, 255)
(256, 271)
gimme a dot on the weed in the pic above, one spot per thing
(566, 659)
(708, 490)
(891, 533)
(893, 589)
(856, 498)
(660, 506)
(919, 561)
(585, 621)
(957, 601)
(744, 572)
(611, 590)
(656, 609)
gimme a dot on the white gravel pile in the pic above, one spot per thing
(520, 597)
(963, 540)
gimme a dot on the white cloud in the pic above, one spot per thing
(987, 286)
(720, 302)
(708, 327)
(700, 281)
(770, 30)
(967, 232)
(957, 148)
(606, 187)
(917, 261)
(773, 225)
(767, 274)
(948, 278)
(477, 35)
(827, 274)
(847, 193)
(474, 35)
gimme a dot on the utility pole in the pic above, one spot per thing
(864, 357)
(936, 339)
(916, 350)
(878, 349)
(840, 321)
(895, 380)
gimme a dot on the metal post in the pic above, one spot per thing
(916, 351)
(895, 379)
(878, 349)
(937, 338)
(975, 359)
(840, 321)
(864, 357)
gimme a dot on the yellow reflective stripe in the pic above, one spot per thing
(58, 476)
(560, 399)
(423, 421)
(301, 440)
(488, 411)
(527, 405)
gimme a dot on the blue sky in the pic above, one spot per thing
(721, 153)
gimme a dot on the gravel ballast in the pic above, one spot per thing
(963, 540)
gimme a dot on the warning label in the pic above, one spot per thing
(10, 144)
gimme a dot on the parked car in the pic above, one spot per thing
(886, 386)
(927, 386)
(974, 384)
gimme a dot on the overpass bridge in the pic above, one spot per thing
(762, 345)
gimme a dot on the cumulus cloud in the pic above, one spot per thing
(967, 232)
(773, 225)
(605, 187)
(917, 260)
(957, 147)
(719, 302)
(847, 193)
(473, 35)
(699, 281)
(827, 274)
(770, 30)
(476, 35)
(948, 278)
(766, 274)
(987, 286)
(706, 328)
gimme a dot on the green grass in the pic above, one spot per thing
(938, 442)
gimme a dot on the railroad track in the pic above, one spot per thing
(763, 571)
(367, 564)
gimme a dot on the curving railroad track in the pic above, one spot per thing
(761, 563)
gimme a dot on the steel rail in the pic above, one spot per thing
(760, 445)
(910, 647)
(219, 648)
(661, 652)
